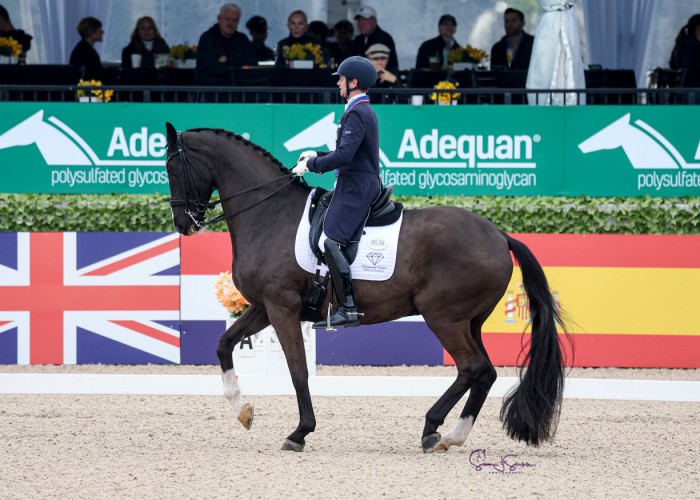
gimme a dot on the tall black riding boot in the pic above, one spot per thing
(347, 314)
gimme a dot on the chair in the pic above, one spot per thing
(662, 78)
(487, 79)
(421, 79)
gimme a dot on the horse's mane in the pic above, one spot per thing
(251, 144)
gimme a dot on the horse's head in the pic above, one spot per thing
(191, 182)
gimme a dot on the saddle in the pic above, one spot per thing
(383, 212)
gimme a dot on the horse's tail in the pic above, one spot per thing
(530, 413)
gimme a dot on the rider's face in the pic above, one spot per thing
(342, 85)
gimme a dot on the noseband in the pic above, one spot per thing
(194, 206)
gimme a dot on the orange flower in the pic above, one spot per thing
(228, 295)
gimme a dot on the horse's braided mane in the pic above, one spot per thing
(260, 149)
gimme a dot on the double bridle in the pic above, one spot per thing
(195, 207)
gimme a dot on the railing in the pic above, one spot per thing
(326, 95)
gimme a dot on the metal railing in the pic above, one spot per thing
(328, 95)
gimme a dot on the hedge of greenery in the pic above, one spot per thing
(46, 212)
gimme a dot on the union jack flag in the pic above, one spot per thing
(72, 298)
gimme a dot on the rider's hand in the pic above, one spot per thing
(301, 167)
(307, 155)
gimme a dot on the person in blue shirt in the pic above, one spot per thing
(356, 161)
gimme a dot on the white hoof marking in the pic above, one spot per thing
(457, 435)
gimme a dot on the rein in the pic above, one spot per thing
(196, 208)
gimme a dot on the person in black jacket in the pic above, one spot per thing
(371, 33)
(84, 55)
(439, 46)
(8, 30)
(257, 27)
(686, 51)
(298, 25)
(145, 41)
(222, 48)
(356, 161)
(513, 51)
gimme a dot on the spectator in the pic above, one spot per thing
(319, 30)
(686, 52)
(515, 48)
(8, 30)
(379, 55)
(146, 41)
(371, 33)
(84, 55)
(223, 48)
(298, 34)
(439, 46)
(257, 27)
(340, 49)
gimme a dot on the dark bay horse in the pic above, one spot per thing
(452, 267)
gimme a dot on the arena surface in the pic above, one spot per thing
(127, 446)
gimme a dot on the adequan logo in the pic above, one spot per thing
(645, 147)
(60, 145)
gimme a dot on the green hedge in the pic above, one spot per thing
(45, 212)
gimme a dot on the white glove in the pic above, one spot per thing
(307, 155)
(301, 167)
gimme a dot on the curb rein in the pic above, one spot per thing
(196, 208)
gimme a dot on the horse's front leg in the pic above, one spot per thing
(250, 322)
(288, 327)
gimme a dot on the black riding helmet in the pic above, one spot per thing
(358, 67)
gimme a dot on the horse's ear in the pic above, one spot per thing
(171, 134)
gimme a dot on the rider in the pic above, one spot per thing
(356, 161)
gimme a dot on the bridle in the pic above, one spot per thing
(195, 207)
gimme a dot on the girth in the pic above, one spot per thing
(383, 212)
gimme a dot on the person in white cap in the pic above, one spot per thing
(379, 55)
(371, 33)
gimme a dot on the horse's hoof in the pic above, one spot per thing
(440, 448)
(245, 417)
(430, 442)
(292, 446)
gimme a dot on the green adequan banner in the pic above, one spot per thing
(425, 150)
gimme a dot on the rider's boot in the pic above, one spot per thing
(346, 315)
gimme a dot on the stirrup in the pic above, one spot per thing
(341, 318)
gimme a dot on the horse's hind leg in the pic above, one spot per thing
(484, 375)
(251, 321)
(475, 372)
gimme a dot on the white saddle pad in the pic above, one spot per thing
(376, 254)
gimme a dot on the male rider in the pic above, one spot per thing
(356, 161)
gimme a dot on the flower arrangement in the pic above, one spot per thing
(445, 97)
(10, 47)
(466, 54)
(228, 295)
(183, 51)
(306, 52)
(100, 95)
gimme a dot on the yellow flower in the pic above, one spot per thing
(228, 295)
(306, 52)
(10, 47)
(104, 95)
(466, 54)
(183, 51)
(445, 97)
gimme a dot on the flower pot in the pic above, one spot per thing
(185, 63)
(89, 98)
(297, 64)
(8, 60)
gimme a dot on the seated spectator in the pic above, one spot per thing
(8, 30)
(513, 51)
(340, 49)
(298, 27)
(379, 55)
(686, 52)
(223, 48)
(319, 30)
(84, 55)
(146, 42)
(371, 33)
(439, 46)
(257, 27)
